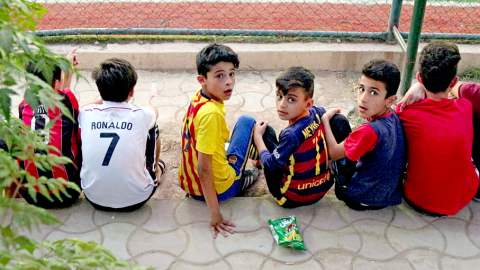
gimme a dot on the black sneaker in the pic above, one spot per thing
(249, 176)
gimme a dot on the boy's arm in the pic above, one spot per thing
(67, 78)
(153, 107)
(258, 135)
(455, 90)
(205, 172)
(415, 94)
(335, 151)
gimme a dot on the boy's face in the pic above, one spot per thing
(219, 82)
(371, 99)
(293, 104)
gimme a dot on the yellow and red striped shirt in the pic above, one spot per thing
(204, 130)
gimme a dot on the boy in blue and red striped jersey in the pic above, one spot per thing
(64, 135)
(209, 171)
(296, 166)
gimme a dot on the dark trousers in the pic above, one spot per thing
(130, 208)
(44, 202)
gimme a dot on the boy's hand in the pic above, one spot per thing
(72, 57)
(330, 113)
(415, 94)
(218, 224)
(260, 127)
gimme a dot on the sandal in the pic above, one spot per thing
(162, 165)
(163, 168)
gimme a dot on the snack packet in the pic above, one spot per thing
(286, 233)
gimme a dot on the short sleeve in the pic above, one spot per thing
(150, 116)
(360, 141)
(208, 132)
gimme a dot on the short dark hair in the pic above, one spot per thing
(115, 78)
(295, 77)
(32, 68)
(438, 65)
(383, 71)
(214, 54)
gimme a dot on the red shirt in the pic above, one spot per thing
(471, 91)
(441, 177)
(361, 140)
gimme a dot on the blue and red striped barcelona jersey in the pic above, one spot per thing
(302, 153)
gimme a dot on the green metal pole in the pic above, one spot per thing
(394, 18)
(412, 45)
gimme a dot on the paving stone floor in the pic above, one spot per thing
(172, 232)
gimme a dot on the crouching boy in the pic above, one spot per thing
(208, 170)
(296, 166)
(120, 143)
(378, 146)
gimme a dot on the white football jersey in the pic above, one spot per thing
(114, 137)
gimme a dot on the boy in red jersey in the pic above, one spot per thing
(441, 178)
(63, 135)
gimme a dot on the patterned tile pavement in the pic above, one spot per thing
(172, 232)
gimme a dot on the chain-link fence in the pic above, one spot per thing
(355, 18)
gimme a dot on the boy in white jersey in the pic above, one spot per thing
(120, 144)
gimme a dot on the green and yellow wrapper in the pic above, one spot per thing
(286, 233)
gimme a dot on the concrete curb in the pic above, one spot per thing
(315, 56)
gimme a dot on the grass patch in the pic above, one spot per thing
(471, 74)
(107, 39)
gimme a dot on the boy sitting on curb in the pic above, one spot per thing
(296, 167)
(120, 142)
(64, 135)
(441, 178)
(378, 146)
(208, 171)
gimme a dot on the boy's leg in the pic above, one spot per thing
(272, 177)
(154, 164)
(344, 168)
(238, 152)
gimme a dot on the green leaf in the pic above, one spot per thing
(32, 99)
(6, 38)
(5, 101)
(25, 243)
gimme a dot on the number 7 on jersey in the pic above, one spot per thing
(112, 146)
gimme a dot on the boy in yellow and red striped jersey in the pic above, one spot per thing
(208, 170)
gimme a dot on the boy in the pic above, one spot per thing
(120, 143)
(207, 171)
(296, 167)
(470, 91)
(378, 146)
(441, 178)
(63, 135)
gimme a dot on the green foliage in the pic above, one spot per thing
(17, 48)
(471, 74)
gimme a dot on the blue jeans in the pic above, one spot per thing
(240, 149)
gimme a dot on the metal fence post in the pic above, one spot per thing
(412, 45)
(394, 19)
